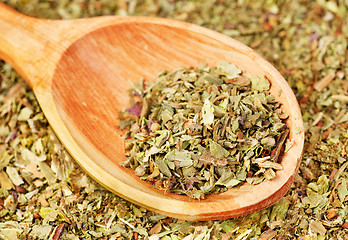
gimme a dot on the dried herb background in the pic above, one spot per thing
(45, 195)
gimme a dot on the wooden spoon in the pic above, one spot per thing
(80, 70)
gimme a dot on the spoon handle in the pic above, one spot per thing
(22, 42)
(34, 46)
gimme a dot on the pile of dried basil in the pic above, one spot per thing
(203, 130)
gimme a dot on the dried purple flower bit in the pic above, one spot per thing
(302, 194)
(134, 110)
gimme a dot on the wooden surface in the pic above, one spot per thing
(80, 70)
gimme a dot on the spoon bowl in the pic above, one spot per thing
(80, 71)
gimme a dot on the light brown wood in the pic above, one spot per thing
(80, 70)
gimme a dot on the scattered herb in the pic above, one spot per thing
(306, 40)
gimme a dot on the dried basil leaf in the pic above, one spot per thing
(202, 130)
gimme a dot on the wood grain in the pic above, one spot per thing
(80, 72)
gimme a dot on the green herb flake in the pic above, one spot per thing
(217, 150)
(208, 112)
(227, 69)
(342, 191)
(25, 114)
(260, 84)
